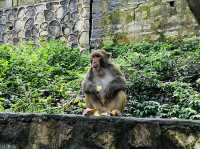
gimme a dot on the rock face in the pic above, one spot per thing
(49, 20)
(89, 23)
(29, 131)
(136, 20)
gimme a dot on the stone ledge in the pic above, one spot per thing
(35, 117)
(42, 131)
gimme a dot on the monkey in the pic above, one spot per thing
(104, 86)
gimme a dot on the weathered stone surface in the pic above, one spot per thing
(197, 144)
(39, 18)
(44, 26)
(66, 30)
(21, 12)
(19, 25)
(60, 13)
(183, 140)
(29, 24)
(83, 40)
(51, 19)
(54, 28)
(53, 6)
(104, 140)
(40, 8)
(143, 135)
(49, 15)
(96, 20)
(30, 12)
(143, 19)
(37, 131)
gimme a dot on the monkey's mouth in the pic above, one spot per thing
(94, 65)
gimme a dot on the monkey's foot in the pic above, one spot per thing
(88, 111)
(91, 112)
(115, 113)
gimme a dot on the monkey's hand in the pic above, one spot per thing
(90, 88)
(114, 87)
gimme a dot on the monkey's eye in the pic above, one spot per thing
(97, 56)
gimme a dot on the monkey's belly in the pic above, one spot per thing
(102, 94)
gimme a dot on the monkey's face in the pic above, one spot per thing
(99, 59)
(96, 61)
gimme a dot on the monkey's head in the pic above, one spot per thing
(99, 59)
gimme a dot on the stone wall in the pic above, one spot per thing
(27, 2)
(5, 3)
(92, 22)
(136, 20)
(15, 3)
(66, 20)
(29, 131)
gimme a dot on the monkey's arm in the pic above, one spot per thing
(114, 86)
(119, 79)
(89, 87)
(117, 84)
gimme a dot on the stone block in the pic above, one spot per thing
(183, 140)
(143, 135)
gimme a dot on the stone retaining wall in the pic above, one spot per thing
(136, 20)
(30, 131)
(89, 23)
(66, 20)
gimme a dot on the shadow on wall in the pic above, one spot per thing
(194, 6)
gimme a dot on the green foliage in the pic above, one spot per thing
(163, 78)
(41, 79)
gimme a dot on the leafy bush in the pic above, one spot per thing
(40, 79)
(163, 78)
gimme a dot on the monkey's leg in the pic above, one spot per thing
(116, 105)
(94, 105)
(93, 102)
(88, 101)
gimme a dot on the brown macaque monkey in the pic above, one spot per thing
(104, 86)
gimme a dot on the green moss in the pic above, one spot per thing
(156, 2)
(129, 18)
(2, 3)
(118, 38)
(118, 17)
(121, 38)
(105, 21)
(144, 8)
(115, 17)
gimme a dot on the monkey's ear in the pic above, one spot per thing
(108, 55)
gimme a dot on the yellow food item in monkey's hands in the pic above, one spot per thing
(99, 87)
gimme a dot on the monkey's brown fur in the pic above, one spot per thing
(104, 86)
